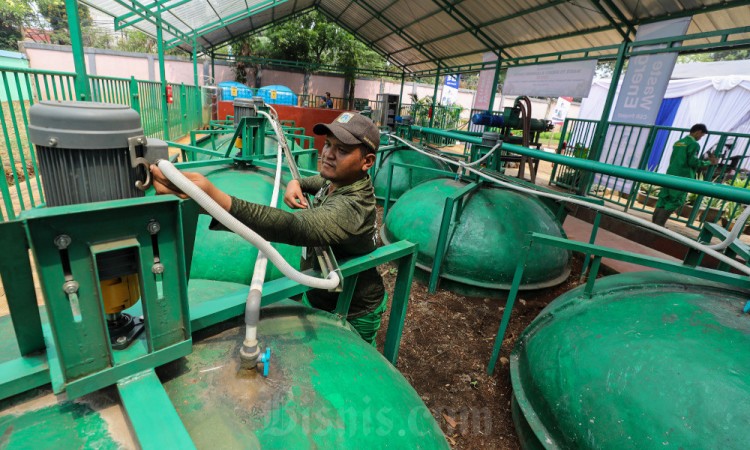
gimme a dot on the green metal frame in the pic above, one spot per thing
(670, 181)
(453, 209)
(152, 415)
(598, 252)
(718, 40)
(226, 21)
(299, 65)
(28, 368)
(83, 358)
(76, 39)
(132, 18)
(403, 253)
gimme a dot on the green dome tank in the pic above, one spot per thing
(223, 255)
(649, 360)
(485, 245)
(403, 180)
(326, 388)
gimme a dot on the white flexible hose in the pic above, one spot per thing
(738, 226)
(229, 221)
(480, 160)
(644, 223)
(259, 271)
(252, 305)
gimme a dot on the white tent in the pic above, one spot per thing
(721, 102)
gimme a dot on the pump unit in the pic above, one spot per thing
(91, 152)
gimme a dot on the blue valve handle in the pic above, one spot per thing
(265, 358)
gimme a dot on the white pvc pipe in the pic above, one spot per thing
(252, 305)
(644, 223)
(229, 221)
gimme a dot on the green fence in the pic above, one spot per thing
(22, 187)
(643, 147)
(315, 101)
(446, 118)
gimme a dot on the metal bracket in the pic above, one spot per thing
(136, 161)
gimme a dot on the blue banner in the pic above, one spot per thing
(452, 81)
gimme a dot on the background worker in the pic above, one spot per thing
(327, 101)
(343, 214)
(684, 162)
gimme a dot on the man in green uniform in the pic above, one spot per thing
(343, 214)
(684, 163)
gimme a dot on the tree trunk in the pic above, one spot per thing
(306, 88)
(352, 83)
(258, 75)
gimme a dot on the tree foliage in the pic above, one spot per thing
(13, 15)
(50, 17)
(310, 39)
(139, 42)
(54, 13)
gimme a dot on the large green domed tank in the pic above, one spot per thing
(225, 256)
(649, 360)
(326, 389)
(486, 244)
(403, 180)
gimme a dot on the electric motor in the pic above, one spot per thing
(91, 152)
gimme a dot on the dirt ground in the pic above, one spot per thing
(446, 345)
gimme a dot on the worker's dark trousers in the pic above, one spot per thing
(661, 216)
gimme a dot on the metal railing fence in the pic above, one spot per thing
(21, 88)
(646, 148)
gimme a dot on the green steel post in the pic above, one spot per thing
(722, 191)
(401, 291)
(493, 93)
(401, 94)
(592, 240)
(135, 101)
(387, 201)
(442, 241)
(83, 89)
(601, 128)
(184, 122)
(15, 267)
(592, 276)
(345, 298)
(434, 97)
(559, 150)
(162, 74)
(509, 306)
(195, 63)
(197, 106)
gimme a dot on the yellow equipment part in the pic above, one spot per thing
(120, 293)
(238, 142)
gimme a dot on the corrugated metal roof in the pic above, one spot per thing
(425, 34)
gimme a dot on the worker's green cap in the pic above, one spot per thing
(352, 129)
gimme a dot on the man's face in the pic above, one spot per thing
(343, 164)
